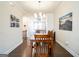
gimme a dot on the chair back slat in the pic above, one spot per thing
(42, 49)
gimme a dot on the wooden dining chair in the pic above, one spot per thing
(42, 46)
(52, 36)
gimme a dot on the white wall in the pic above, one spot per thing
(10, 38)
(68, 39)
(50, 21)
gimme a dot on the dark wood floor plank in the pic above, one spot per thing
(60, 51)
(24, 50)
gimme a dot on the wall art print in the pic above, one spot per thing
(14, 21)
(65, 22)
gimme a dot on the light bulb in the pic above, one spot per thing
(35, 15)
(44, 15)
(40, 13)
(10, 3)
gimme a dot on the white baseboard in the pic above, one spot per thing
(12, 48)
(68, 49)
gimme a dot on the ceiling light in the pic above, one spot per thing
(40, 13)
(44, 15)
(35, 15)
(10, 3)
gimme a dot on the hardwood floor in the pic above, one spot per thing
(24, 50)
(60, 51)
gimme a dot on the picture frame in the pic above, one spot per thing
(12, 24)
(15, 22)
(65, 22)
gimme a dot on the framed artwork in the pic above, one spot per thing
(14, 21)
(65, 22)
(12, 24)
(17, 20)
(17, 24)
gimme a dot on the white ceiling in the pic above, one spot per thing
(35, 6)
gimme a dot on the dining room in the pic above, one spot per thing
(39, 28)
